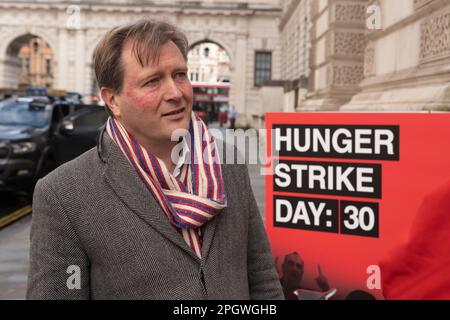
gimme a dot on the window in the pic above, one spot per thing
(36, 47)
(92, 119)
(263, 67)
(26, 66)
(57, 115)
(48, 67)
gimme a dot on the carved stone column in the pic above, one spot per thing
(337, 53)
(407, 62)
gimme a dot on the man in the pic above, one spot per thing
(223, 114)
(232, 115)
(293, 269)
(123, 221)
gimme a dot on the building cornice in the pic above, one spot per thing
(197, 7)
(420, 13)
(288, 14)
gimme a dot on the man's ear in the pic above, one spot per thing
(110, 99)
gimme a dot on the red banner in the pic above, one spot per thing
(348, 203)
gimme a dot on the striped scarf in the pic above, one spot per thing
(196, 195)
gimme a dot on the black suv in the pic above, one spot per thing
(37, 136)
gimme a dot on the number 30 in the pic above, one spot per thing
(358, 218)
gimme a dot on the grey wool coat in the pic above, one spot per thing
(93, 219)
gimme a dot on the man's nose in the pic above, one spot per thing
(172, 91)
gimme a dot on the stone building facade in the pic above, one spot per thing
(367, 55)
(73, 29)
(36, 64)
(295, 44)
(208, 62)
(407, 61)
(318, 54)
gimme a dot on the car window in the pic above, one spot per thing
(64, 108)
(57, 115)
(14, 112)
(91, 119)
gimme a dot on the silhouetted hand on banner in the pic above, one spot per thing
(321, 280)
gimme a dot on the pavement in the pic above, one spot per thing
(257, 180)
(14, 245)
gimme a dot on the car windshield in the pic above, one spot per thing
(19, 113)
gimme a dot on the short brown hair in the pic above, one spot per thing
(147, 35)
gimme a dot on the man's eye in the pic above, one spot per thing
(180, 75)
(152, 82)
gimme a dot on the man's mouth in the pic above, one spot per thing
(181, 110)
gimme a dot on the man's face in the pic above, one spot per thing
(156, 99)
(293, 268)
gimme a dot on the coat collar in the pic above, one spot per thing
(130, 189)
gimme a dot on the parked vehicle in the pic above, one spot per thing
(36, 91)
(223, 114)
(209, 98)
(7, 93)
(35, 137)
(79, 131)
(62, 96)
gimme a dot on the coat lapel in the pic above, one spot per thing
(208, 231)
(123, 179)
(210, 227)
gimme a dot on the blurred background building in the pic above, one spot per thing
(36, 60)
(277, 56)
(245, 32)
(208, 62)
(368, 55)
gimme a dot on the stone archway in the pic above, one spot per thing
(218, 60)
(220, 43)
(228, 45)
(240, 28)
(10, 64)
